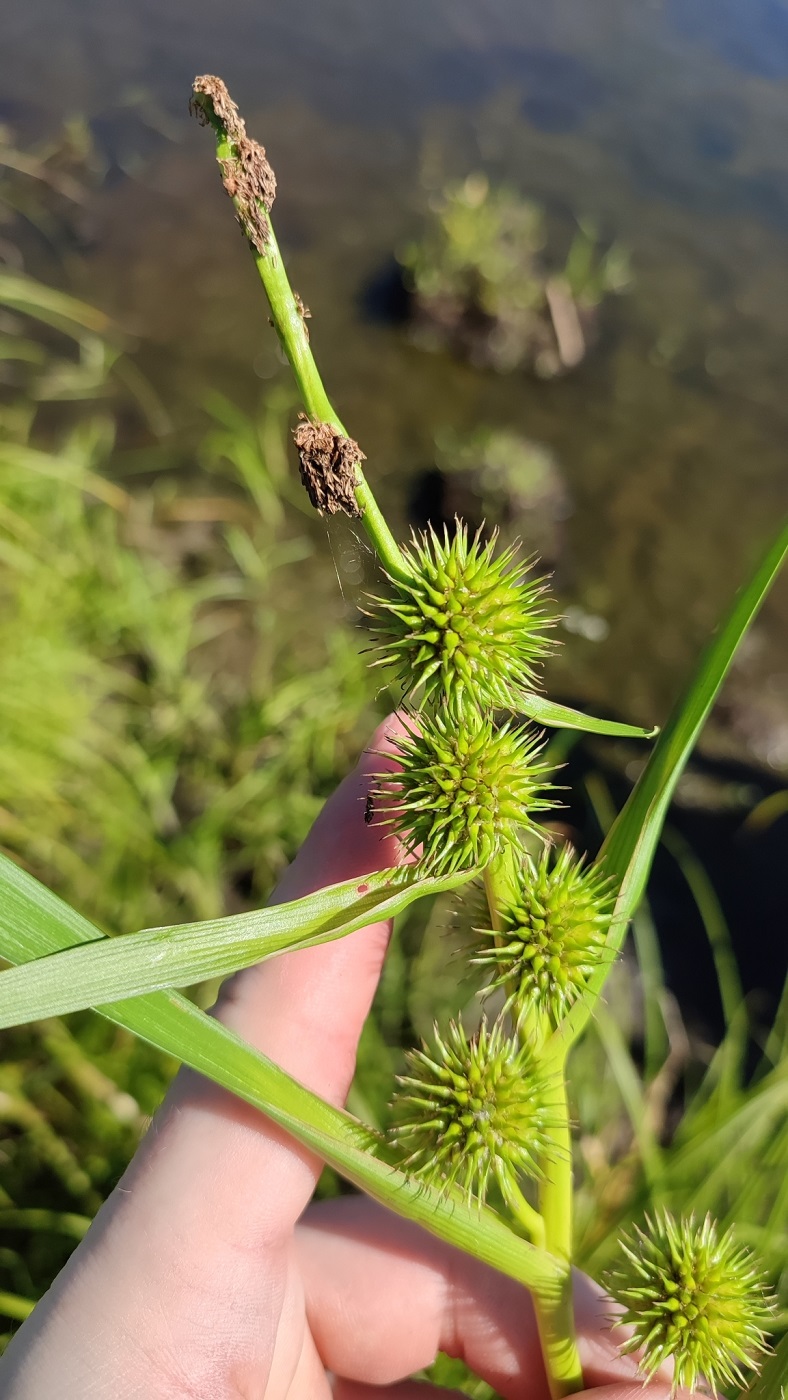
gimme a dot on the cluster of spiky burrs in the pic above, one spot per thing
(464, 633)
(463, 630)
(694, 1296)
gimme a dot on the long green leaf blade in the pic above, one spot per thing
(628, 850)
(50, 305)
(35, 922)
(555, 716)
(176, 1026)
(175, 956)
(772, 1383)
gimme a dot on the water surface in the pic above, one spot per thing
(667, 122)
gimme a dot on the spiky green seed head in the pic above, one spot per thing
(467, 624)
(693, 1295)
(552, 934)
(462, 788)
(472, 1111)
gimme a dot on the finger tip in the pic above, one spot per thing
(384, 742)
(349, 837)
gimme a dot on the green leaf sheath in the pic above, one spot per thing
(177, 956)
(556, 1319)
(629, 847)
(34, 923)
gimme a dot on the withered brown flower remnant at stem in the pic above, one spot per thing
(328, 467)
(303, 311)
(246, 174)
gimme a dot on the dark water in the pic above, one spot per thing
(665, 120)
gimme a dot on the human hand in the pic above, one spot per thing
(203, 1277)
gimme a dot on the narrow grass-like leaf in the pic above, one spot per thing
(772, 1383)
(554, 716)
(647, 949)
(48, 304)
(57, 1222)
(35, 922)
(61, 469)
(734, 1010)
(631, 1088)
(714, 923)
(182, 954)
(11, 1305)
(628, 850)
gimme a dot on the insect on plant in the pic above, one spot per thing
(480, 1149)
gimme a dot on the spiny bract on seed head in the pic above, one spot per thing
(552, 935)
(473, 1111)
(463, 787)
(693, 1295)
(466, 624)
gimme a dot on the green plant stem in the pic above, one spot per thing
(550, 1226)
(556, 1318)
(291, 329)
(500, 887)
(500, 883)
(523, 1212)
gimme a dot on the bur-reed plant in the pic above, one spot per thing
(480, 1150)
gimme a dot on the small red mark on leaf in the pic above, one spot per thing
(363, 889)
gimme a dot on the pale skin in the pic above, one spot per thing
(208, 1274)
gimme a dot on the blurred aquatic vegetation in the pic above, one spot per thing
(481, 283)
(53, 346)
(46, 189)
(499, 478)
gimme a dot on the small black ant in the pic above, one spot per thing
(369, 809)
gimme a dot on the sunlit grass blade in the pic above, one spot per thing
(554, 716)
(51, 306)
(647, 949)
(631, 1088)
(772, 1383)
(776, 1047)
(34, 922)
(628, 850)
(62, 470)
(58, 1222)
(176, 956)
(730, 1057)
(11, 1305)
(714, 923)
